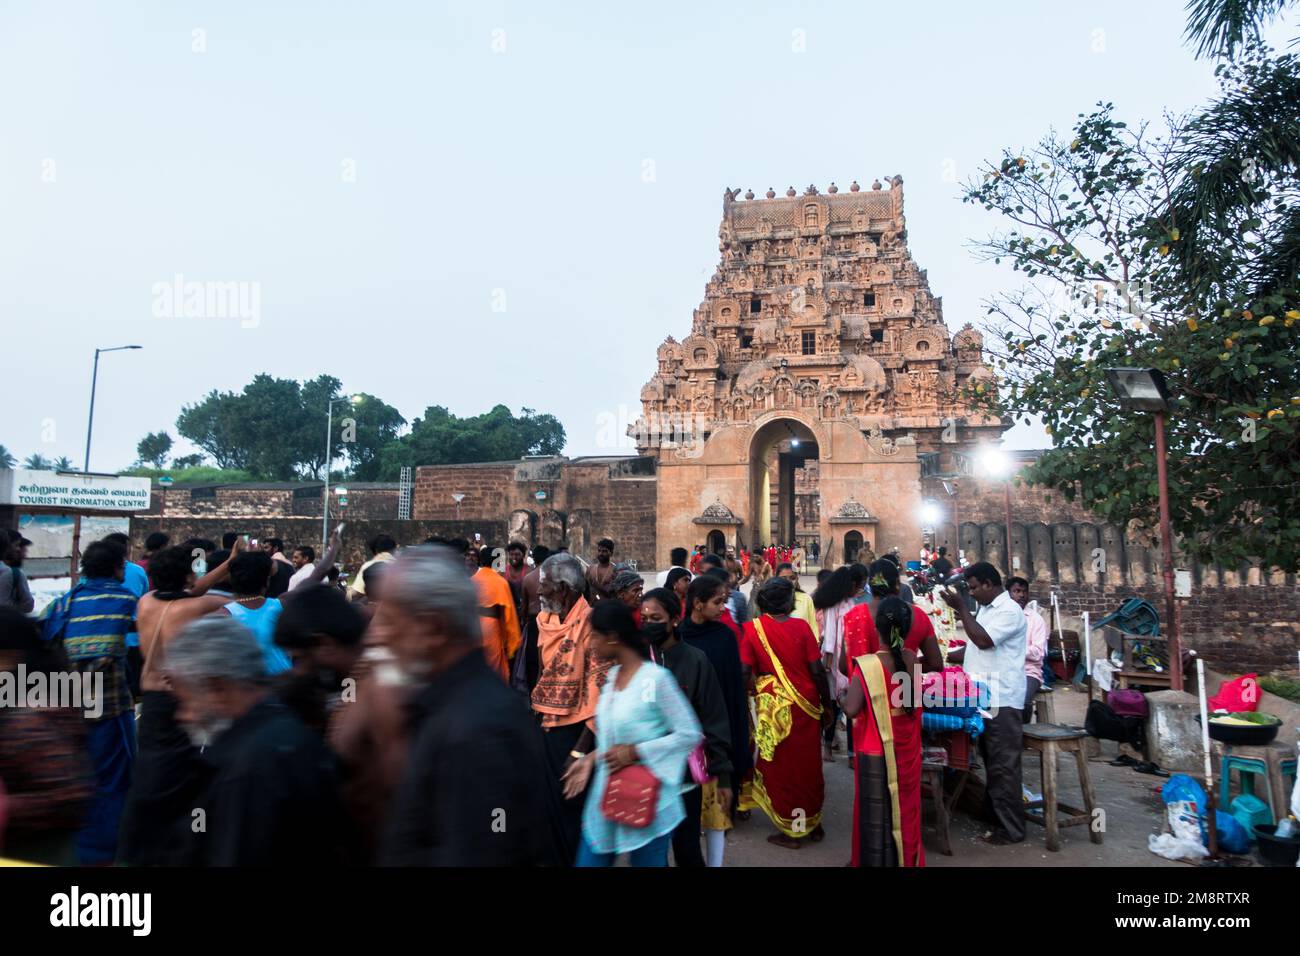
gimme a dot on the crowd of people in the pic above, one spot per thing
(457, 704)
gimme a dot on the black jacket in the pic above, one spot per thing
(718, 643)
(271, 796)
(699, 683)
(475, 788)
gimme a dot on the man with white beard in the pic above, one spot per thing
(568, 685)
(474, 792)
(271, 792)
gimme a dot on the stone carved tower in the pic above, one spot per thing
(817, 316)
(817, 305)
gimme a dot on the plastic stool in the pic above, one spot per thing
(1266, 762)
(1249, 811)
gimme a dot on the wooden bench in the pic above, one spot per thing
(1048, 740)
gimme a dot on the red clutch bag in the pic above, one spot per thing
(631, 796)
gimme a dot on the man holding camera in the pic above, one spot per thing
(995, 654)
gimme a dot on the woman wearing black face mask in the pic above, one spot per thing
(660, 612)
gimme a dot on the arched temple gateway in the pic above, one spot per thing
(817, 386)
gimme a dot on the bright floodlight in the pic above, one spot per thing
(930, 514)
(1141, 389)
(356, 399)
(994, 462)
(794, 443)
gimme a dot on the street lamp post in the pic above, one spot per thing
(1144, 390)
(94, 381)
(995, 464)
(329, 460)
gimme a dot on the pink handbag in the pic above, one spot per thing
(631, 796)
(698, 764)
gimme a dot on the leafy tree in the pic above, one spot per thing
(367, 426)
(38, 463)
(1177, 252)
(7, 459)
(64, 463)
(153, 448)
(213, 425)
(441, 438)
(187, 461)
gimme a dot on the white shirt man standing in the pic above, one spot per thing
(995, 654)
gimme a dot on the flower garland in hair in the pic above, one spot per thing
(895, 637)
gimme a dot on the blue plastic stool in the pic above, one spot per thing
(1249, 811)
(1248, 767)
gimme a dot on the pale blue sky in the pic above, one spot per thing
(478, 170)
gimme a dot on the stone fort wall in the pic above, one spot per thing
(1240, 618)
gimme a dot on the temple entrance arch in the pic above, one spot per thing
(780, 449)
(852, 546)
(717, 543)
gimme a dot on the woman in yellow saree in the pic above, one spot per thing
(790, 695)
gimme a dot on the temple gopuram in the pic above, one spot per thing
(817, 386)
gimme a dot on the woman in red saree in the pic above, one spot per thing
(788, 685)
(887, 746)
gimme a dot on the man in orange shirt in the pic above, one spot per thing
(497, 617)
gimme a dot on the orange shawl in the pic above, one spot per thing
(571, 674)
(500, 635)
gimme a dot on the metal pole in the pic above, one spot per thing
(325, 501)
(90, 422)
(76, 548)
(1011, 564)
(1166, 544)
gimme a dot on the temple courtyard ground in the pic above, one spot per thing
(1131, 800)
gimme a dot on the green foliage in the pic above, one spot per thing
(7, 459)
(1282, 687)
(441, 438)
(201, 474)
(38, 462)
(1173, 253)
(274, 428)
(153, 448)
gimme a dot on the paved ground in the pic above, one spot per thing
(1131, 801)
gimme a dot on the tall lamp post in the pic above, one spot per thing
(329, 461)
(995, 464)
(1144, 390)
(94, 381)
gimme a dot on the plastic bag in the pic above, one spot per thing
(1236, 696)
(1183, 799)
(1233, 837)
(1173, 848)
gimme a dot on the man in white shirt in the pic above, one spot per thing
(678, 558)
(304, 563)
(995, 654)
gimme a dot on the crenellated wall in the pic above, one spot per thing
(1239, 617)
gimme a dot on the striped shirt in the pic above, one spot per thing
(93, 621)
